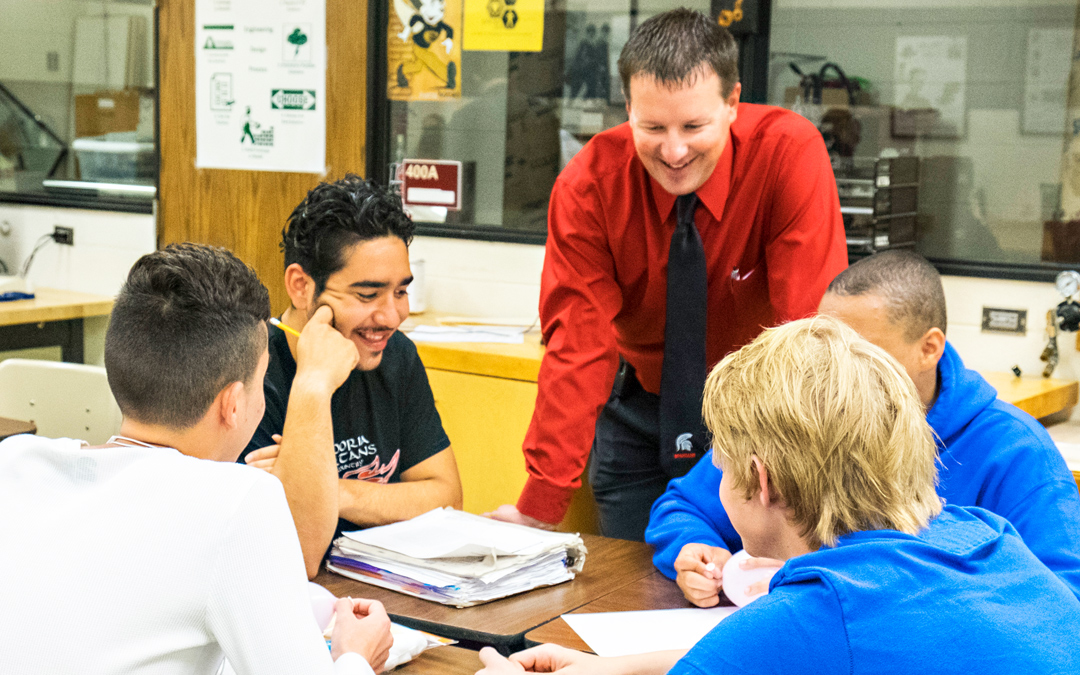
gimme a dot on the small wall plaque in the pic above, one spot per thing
(997, 320)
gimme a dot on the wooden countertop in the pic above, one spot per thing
(50, 304)
(1037, 396)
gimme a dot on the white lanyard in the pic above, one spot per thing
(125, 442)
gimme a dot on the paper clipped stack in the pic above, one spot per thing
(457, 558)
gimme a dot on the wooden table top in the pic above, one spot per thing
(50, 304)
(9, 427)
(449, 660)
(610, 564)
(1037, 396)
(653, 592)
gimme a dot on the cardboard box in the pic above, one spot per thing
(106, 112)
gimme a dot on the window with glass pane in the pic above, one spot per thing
(520, 116)
(76, 94)
(949, 123)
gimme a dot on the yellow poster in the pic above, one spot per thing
(424, 50)
(504, 25)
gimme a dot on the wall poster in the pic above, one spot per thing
(930, 84)
(424, 50)
(504, 25)
(1047, 77)
(260, 85)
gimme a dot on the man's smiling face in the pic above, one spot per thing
(680, 131)
(368, 296)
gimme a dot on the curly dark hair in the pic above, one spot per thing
(335, 216)
(188, 322)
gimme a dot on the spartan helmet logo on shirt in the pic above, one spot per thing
(683, 444)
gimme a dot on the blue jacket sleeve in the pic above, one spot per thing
(1029, 484)
(689, 512)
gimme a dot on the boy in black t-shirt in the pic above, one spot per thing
(350, 426)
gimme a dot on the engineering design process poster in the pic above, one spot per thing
(260, 85)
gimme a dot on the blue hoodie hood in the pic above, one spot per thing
(962, 395)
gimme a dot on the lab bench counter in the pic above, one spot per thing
(52, 318)
(51, 304)
(1037, 396)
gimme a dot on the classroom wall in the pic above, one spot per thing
(503, 280)
(106, 245)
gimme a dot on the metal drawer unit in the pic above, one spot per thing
(879, 201)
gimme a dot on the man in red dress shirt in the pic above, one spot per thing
(768, 220)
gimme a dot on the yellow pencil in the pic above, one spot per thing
(287, 329)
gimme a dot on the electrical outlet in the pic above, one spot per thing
(52, 61)
(64, 235)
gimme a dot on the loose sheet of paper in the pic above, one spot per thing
(624, 633)
(513, 336)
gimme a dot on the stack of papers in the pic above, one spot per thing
(457, 558)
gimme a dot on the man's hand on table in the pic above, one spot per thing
(361, 626)
(508, 513)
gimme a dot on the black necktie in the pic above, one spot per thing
(682, 434)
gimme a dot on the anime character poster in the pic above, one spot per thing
(424, 50)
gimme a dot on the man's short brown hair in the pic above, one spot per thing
(675, 46)
(836, 422)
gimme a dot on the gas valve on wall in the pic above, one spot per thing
(1066, 317)
(1068, 311)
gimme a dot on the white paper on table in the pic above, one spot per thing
(447, 533)
(1071, 453)
(512, 336)
(624, 633)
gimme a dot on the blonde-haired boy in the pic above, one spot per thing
(829, 465)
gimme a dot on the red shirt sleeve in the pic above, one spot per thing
(807, 247)
(579, 299)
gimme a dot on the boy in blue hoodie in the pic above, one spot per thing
(990, 454)
(829, 465)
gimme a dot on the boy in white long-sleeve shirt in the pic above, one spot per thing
(140, 556)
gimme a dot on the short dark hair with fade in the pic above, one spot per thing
(909, 285)
(335, 216)
(675, 45)
(188, 322)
